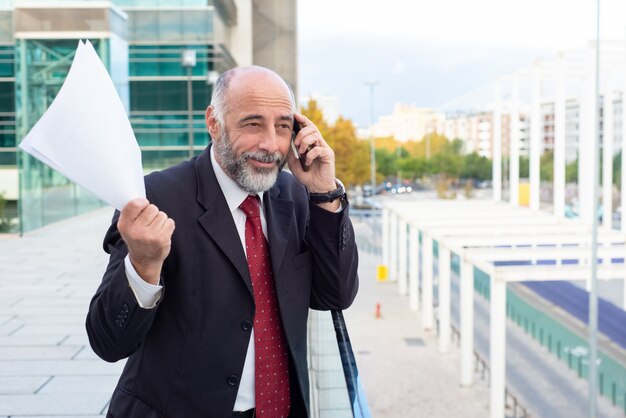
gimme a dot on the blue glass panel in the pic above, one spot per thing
(7, 61)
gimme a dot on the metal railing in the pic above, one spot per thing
(514, 407)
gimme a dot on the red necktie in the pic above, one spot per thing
(271, 374)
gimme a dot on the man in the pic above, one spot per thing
(208, 287)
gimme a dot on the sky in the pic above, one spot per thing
(430, 52)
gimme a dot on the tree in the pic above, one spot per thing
(617, 169)
(476, 167)
(524, 167)
(5, 222)
(546, 166)
(428, 146)
(414, 168)
(352, 159)
(388, 143)
(385, 162)
(447, 164)
(571, 172)
(316, 116)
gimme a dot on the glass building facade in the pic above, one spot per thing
(45, 196)
(141, 43)
(8, 154)
(160, 113)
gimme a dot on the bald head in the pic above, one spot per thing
(240, 82)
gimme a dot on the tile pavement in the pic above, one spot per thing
(46, 280)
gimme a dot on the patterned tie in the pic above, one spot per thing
(271, 375)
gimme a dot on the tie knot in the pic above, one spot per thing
(250, 206)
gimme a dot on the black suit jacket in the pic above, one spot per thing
(185, 356)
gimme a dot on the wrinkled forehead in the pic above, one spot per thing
(260, 88)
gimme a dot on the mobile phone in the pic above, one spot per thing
(296, 129)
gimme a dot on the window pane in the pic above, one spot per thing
(7, 97)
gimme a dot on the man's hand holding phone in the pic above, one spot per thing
(302, 158)
(312, 161)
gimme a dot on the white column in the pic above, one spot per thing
(444, 299)
(586, 140)
(559, 142)
(414, 255)
(514, 145)
(466, 321)
(402, 257)
(536, 124)
(393, 248)
(623, 176)
(427, 282)
(385, 232)
(497, 347)
(607, 154)
(496, 146)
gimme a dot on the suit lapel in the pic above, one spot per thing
(217, 221)
(279, 213)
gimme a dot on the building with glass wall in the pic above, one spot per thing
(162, 55)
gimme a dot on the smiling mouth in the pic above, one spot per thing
(263, 163)
(262, 166)
(263, 159)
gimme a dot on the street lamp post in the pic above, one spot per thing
(593, 292)
(371, 85)
(212, 77)
(189, 61)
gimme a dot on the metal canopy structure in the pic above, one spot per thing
(569, 75)
(496, 238)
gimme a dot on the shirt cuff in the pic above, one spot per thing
(147, 294)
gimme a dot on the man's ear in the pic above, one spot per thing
(212, 124)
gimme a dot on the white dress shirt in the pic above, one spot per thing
(148, 294)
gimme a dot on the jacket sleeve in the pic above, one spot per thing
(330, 237)
(116, 324)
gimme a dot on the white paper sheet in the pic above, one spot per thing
(85, 134)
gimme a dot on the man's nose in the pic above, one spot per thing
(269, 141)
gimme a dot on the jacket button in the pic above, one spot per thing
(233, 380)
(123, 314)
(246, 325)
(118, 323)
(125, 308)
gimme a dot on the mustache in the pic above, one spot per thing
(264, 157)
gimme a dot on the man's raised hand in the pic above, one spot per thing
(147, 233)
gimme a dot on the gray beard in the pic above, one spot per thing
(251, 179)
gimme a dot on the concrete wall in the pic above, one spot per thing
(274, 30)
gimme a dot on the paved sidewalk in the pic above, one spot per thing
(47, 278)
(48, 370)
(402, 372)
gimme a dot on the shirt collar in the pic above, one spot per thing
(234, 194)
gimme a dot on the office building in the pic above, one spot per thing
(407, 123)
(475, 130)
(163, 56)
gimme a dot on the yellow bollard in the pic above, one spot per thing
(381, 273)
(524, 194)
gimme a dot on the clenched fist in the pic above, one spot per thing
(147, 233)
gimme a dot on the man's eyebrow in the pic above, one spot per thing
(289, 118)
(250, 117)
